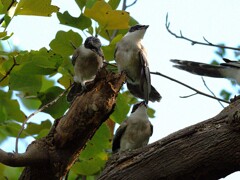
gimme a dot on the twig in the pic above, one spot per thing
(189, 95)
(127, 6)
(107, 63)
(197, 91)
(167, 25)
(10, 5)
(205, 84)
(34, 113)
(9, 71)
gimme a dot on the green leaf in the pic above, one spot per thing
(5, 5)
(151, 112)
(121, 109)
(81, 3)
(109, 50)
(10, 129)
(114, 3)
(94, 156)
(36, 8)
(25, 82)
(9, 109)
(65, 42)
(43, 133)
(225, 95)
(33, 128)
(82, 22)
(58, 108)
(7, 172)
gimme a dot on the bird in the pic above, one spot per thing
(135, 131)
(230, 69)
(87, 60)
(131, 58)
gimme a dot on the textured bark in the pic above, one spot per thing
(207, 150)
(69, 134)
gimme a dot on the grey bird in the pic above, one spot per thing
(135, 131)
(131, 59)
(229, 69)
(87, 60)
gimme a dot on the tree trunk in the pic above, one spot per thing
(207, 150)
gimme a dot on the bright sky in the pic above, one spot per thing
(216, 20)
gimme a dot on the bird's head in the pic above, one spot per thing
(92, 43)
(141, 104)
(137, 32)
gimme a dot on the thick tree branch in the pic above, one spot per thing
(33, 156)
(69, 135)
(207, 150)
(207, 43)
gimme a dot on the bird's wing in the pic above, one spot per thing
(118, 135)
(145, 80)
(98, 52)
(202, 68)
(151, 126)
(75, 56)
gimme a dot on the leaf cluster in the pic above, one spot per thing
(31, 79)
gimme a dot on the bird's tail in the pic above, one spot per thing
(201, 68)
(137, 92)
(76, 88)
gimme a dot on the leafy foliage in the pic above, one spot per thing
(26, 76)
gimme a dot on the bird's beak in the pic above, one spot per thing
(143, 103)
(146, 26)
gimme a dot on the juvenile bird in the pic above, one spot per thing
(229, 69)
(87, 60)
(131, 58)
(135, 131)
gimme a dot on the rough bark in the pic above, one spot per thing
(51, 157)
(207, 150)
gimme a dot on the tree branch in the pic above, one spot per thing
(34, 113)
(207, 150)
(69, 135)
(167, 25)
(197, 91)
(33, 156)
(9, 71)
(205, 84)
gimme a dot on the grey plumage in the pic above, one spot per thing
(87, 60)
(229, 69)
(130, 56)
(135, 131)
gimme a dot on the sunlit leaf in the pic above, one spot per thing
(65, 42)
(3, 34)
(35, 7)
(109, 19)
(7, 172)
(151, 112)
